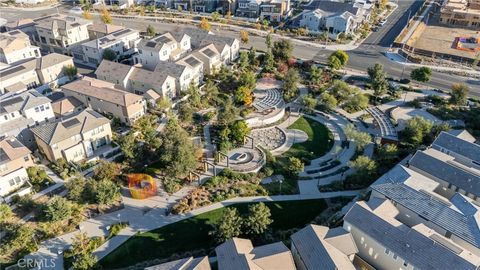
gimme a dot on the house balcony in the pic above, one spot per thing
(23, 190)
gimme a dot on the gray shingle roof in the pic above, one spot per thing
(409, 244)
(332, 6)
(458, 146)
(112, 71)
(464, 225)
(170, 68)
(21, 101)
(446, 172)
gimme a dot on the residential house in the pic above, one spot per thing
(335, 17)
(19, 111)
(461, 13)
(27, 26)
(40, 73)
(19, 77)
(195, 65)
(121, 4)
(274, 10)
(137, 80)
(315, 246)
(103, 97)
(239, 254)
(76, 138)
(15, 46)
(30, 2)
(386, 243)
(183, 74)
(206, 6)
(210, 57)
(163, 3)
(99, 30)
(57, 33)
(65, 105)
(189, 263)
(200, 38)
(165, 47)
(14, 159)
(51, 70)
(123, 43)
(248, 8)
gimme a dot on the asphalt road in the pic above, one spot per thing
(371, 51)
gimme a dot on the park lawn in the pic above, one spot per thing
(320, 139)
(193, 233)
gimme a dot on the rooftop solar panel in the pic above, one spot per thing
(70, 123)
(192, 61)
(12, 101)
(163, 39)
(209, 52)
(150, 44)
(121, 32)
(75, 24)
(3, 156)
(11, 70)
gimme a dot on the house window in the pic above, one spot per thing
(18, 180)
(37, 109)
(3, 167)
(394, 256)
(6, 117)
(405, 263)
(26, 158)
(11, 182)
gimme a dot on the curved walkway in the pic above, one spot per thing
(139, 221)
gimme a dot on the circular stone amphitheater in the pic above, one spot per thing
(268, 103)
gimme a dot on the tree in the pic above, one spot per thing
(228, 16)
(151, 31)
(146, 126)
(228, 113)
(57, 209)
(341, 90)
(185, 112)
(177, 151)
(106, 192)
(361, 139)
(76, 187)
(268, 41)
(204, 24)
(215, 16)
(421, 74)
(356, 102)
(258, 219)
(87, 15)
(458, 95)
(378, 80)
(315, 75)
(239, 130)
(109, 54)
(269, 62)
(309, 103)
(282, 50)
(229, 226)
(248, 79)
(81, 251)
(244, 37)
(416, 129)
(338, 60)
(290, 84)
(244, 95)
(295, 166)
(388, 153)
(71, 71)
(107, 170)
(128, 145)
(328, 101)
(364, 167)
(243, 62)
(105, 16)
(141, 10)
(5, 213)
(252, 56)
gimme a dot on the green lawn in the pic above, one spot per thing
(320, 139)
(193, 233)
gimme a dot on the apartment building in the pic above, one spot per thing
(210, 57)
(200, 39)
(315, 246)
(137, 80)
(75, 138)
(274, 10)
(103, 97)
(239, 254)
(15, 46)
(14, 159)
(386, 243)
(122, 42)
(166, 47)
(461, 13)
(57, 33)
(19, 111)
(40, 73)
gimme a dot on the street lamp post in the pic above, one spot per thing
(281, 186)
(119, 220)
